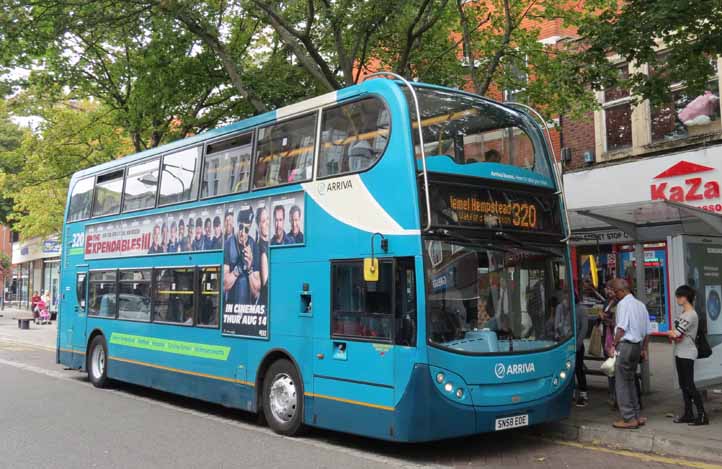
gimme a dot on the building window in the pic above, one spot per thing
(284, 153)
(134, 295)
(227, 166)
(81, 200)
(353, 136)
(108, 189)
(141, 184)
(102, 294)
(685, 114)
(209, 291)
(178, 182)
(617, 107)
(361, 309)
(173, 296)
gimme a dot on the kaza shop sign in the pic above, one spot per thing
(688, 182)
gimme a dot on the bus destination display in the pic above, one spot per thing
(493, 208)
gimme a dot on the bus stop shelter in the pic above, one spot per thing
(650, 221)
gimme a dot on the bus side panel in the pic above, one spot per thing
(174, 358)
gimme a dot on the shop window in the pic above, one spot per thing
(81, 200)
(353, 136)
(361, 309)
(284, 153)
(141, 184)
(178, 181)
(134, 295)
(209, 292)
(108, 189)
(618, 114)
(227, 166)
(102, 294)
(173, 296)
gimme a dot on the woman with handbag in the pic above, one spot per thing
(683, 335)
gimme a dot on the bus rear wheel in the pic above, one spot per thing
(97, 364)
(283, 398)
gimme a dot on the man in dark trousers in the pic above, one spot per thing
(631, 338)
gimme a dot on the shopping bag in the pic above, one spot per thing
(608, 366)
(595, 342)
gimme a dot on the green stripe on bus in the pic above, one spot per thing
(192, 349)
(75, 251)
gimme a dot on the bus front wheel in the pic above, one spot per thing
(283, 398)
(97, 365)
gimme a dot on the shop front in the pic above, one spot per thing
(656, 222)
(36, 268)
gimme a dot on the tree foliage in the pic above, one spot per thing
(634, 30)
(72, 136)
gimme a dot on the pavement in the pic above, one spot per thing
(587, 435)
(592, 424)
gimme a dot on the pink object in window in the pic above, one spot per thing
(703, 105)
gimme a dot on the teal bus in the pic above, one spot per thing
(388, 260)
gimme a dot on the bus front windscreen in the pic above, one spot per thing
(495, 299)
(468, 129)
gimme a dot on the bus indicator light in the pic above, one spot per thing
(448, 387)
(440, 377)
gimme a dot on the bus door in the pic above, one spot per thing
(354, 365)
(76, 302)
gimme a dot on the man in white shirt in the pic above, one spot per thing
(631, 337)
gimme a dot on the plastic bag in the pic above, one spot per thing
(607, 366)
(595, 342)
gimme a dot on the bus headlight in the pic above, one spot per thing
(459, 393)
(448, 387)
(563, 375)
(568, 365)
(440, 377)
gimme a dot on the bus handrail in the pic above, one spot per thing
(421, 137)
(557, 176)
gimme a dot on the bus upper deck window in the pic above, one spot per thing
(353, 136)
(141, 183)
(227, 166)
(81, 200)
(108, 190)
(178, 181)
(284, 153)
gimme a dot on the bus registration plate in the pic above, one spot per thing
(512, 422)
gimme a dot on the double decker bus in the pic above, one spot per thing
(388, 260)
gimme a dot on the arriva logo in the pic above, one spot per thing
(500, 370)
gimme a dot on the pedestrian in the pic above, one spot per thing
(607, 319)
(631, 341)
(685, 353)
(34, 300)
(581, 329)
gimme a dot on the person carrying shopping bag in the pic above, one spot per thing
(683, 336)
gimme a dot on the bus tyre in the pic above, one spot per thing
(97, 365)
(283, 398)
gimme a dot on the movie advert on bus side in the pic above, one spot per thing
(260, 225)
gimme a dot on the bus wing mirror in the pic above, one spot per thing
(371, 269)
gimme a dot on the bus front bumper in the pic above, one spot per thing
(424, 414)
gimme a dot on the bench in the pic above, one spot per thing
(24, 321)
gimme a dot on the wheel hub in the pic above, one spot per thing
(98, 362)
(282, 398)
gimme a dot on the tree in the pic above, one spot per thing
(71, 136)
(11, 136)
(635, 29)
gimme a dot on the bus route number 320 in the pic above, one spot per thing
(511, 422)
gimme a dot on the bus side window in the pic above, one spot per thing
(353, 136)
(284, 152)
(81, 200)
(209, 291)
(405, 302)
(80, 288)
(361, 309)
